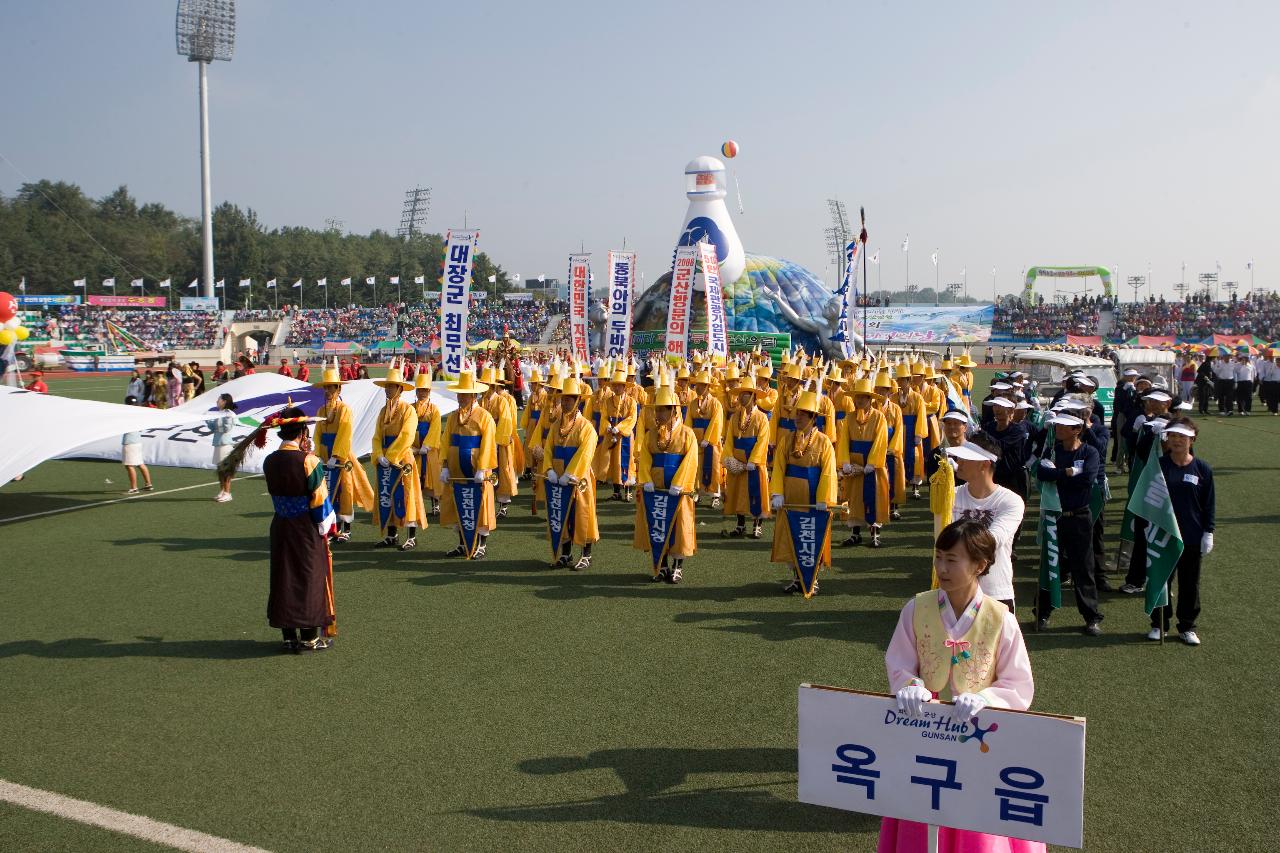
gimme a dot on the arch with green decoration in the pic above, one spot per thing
(1028, 287)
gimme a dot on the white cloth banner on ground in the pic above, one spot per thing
(717, 324)
(622, 274)
(455, 302)
(681, 306)
(579, 296)
(178, 437)
(1007, 773)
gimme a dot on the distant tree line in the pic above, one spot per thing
(51, 234)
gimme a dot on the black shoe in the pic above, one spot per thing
(388, 542)
(1042, 624)
(502, 510)
(737, 533)
(564, 562)
(479, 554)
(289, 646)
(1093, 629)
(792, 588)
(584, 563)
(894, 515)
(854, 539)
(457, 551)
(875, 539)
(660, 576)
(409, 544)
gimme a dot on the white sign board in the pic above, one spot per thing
(1007, 773)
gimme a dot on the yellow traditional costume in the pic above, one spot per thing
(501, 406)
(706, 418)
(863, 443)
(614, 461)
(399, 488)
(669, 462)
(349, 485)
(427, 444)
(893, 422)
(804, 477)
(566, 459)
(534, 407)
(468, 446)
(746, 491)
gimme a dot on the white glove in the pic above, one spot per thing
(1047, 463)
(751, 466)
(820, 505)
(568, 480)
(424, 450)
(1206, 543)
(552, 476)
(675, 491)
(479, 477)
(868, 469)
(648, 487)
(384, 462)
(705, 445)
(322, 527)
(331, 462)
(913, 698)
(967, 706)
(444, 475)
(846, 469)
(775, 502)
(613, 430)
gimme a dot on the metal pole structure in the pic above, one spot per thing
(937, 272)
(206, 189)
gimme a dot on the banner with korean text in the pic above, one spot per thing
(579, 296)
(717, 323)
(680, 308)
(126, 301)
(1007, 773)
(622, 274)
(455, 303)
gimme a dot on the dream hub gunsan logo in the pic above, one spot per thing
(940, 726)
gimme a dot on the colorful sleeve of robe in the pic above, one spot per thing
(320, 508)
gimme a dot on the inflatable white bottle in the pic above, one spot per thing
(709, 216)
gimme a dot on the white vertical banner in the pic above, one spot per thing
(717, 324)
(455, 302)
(842, 335)
(579, 296)
(622, 283)
(681, 306)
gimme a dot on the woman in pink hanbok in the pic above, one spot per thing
(992, 670)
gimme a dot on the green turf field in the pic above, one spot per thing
(505, 705)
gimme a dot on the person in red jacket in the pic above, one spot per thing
(304, 372)
(37, 383)
(284, 368)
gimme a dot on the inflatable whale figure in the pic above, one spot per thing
(761, 293)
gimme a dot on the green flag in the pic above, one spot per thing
(1149, 500)
(1047, 538)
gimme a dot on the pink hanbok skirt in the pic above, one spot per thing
(906, 836)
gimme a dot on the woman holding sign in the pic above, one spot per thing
(959, 644)
(668, 462)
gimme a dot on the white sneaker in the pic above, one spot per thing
(1153, 634)
(223, 497)
(1190, 638)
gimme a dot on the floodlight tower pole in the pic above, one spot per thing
(206, 189)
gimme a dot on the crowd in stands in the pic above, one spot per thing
(1047, 320)
(159, 330)
(260, 314)
(419, 324)
(1199, 318)
(311, 327)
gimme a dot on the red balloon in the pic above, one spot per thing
(8, 307)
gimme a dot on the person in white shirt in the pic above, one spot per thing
(1245, 373)
(1269, 376)
(1224, 384)
(999, 509)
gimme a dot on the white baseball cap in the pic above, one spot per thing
(955, 415)
(1002, 402)
(1066, 420)
(972, 452)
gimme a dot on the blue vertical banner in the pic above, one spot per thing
(467, 496)
(561, 503)
(808, 528)
(842, 335)
(658, 507)
(622, 285)
(455, 298)
(391, 494)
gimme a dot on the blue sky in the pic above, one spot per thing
(1001, 134)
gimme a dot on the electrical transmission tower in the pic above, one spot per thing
(838, 236)
(417, 202)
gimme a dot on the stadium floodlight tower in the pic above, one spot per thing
(206, 31)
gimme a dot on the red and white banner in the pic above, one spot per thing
(127, 301)
(680, 309)
(622, 277)
(579, 297)
(717, 324)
